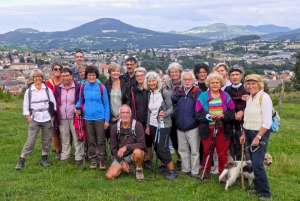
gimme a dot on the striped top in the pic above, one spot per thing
(215, 106)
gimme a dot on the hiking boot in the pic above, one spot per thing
(195, 176)
(206, 176)
(78, 162)
(93, 166)
(178, 164)
(171, 175)
(181, 172)
(162, 169)
(57, 155)
(252, 191)
(21, 164)
(265, 198)
(139, 174)
(102, 165)
(44, 161)
(147, 164)
(214, 170)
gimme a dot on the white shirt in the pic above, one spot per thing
(39, 100)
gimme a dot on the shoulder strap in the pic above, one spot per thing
(162, 94)
(134, 103)
(118, 129)
(180, 91)
(52, 83)
(81, 93)
(195, 88)
(261, 97)
(133, 128)
(101, 91)
(47, 92)
(29, 100)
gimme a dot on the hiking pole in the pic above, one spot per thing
(217, 125)
(157, 137)
(242, 166)
(82, 142)
(234, 142)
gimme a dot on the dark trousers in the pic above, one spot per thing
(96, 140)
(162, 145)
(261, 183)
(173, 134)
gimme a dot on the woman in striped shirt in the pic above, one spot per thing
(210, 106)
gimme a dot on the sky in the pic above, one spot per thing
(156, 15)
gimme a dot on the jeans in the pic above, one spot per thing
(261, 183)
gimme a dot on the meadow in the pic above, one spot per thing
(65, 181)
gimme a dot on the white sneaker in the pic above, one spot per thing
(214, 170)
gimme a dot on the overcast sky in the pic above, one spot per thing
(157, 15)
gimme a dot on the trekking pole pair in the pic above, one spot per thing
(216, 127)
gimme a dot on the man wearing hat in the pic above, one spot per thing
(239, 96)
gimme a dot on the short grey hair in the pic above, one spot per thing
(36, 72)
(214, 75)
(174, 65)
(185, 72)
(82, 66)
(152, 75)
(140, 69)
(124, 105)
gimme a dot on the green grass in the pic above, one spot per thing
(65, 181)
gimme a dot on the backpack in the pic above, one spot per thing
(50, 109)
(132, 129)
(82, 94)
(193, 93)
(275, 117)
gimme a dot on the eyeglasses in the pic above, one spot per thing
(91, 75)
(187, 79)
(57, 69)
(129, 64)
(139, 76)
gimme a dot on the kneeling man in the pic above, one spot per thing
(127, 142)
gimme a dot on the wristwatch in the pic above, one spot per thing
(258, 136)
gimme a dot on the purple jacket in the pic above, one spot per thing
(57, 95)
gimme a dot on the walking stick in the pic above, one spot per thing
(242, 175)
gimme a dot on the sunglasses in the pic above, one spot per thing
(56, 69)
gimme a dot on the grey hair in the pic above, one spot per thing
(185, 72)
(36, 71)
(124, 105)
(154, 75)
(174, 65)
(140, 69)
(214, 75)
(82, 66)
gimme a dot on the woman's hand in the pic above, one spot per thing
(115, 119)
(106, 125)
(77, 112)
(162, 114)
(125, 166)
(239, 115)
(147, 131)
(242, 138)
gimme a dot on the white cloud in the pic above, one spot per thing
(159, 15)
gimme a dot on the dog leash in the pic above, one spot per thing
(255, 145)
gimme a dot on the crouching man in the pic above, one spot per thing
(127, 142)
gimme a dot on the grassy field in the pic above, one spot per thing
(65, 181)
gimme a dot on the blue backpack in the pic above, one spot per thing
(275, 117)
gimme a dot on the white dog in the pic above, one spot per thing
(232, 171)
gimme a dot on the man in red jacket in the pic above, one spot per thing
(127, 142)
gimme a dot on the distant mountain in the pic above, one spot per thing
(221, 31)
(27, 30)
(292, 35)
(99, 34)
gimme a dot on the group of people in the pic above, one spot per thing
(138, 111)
